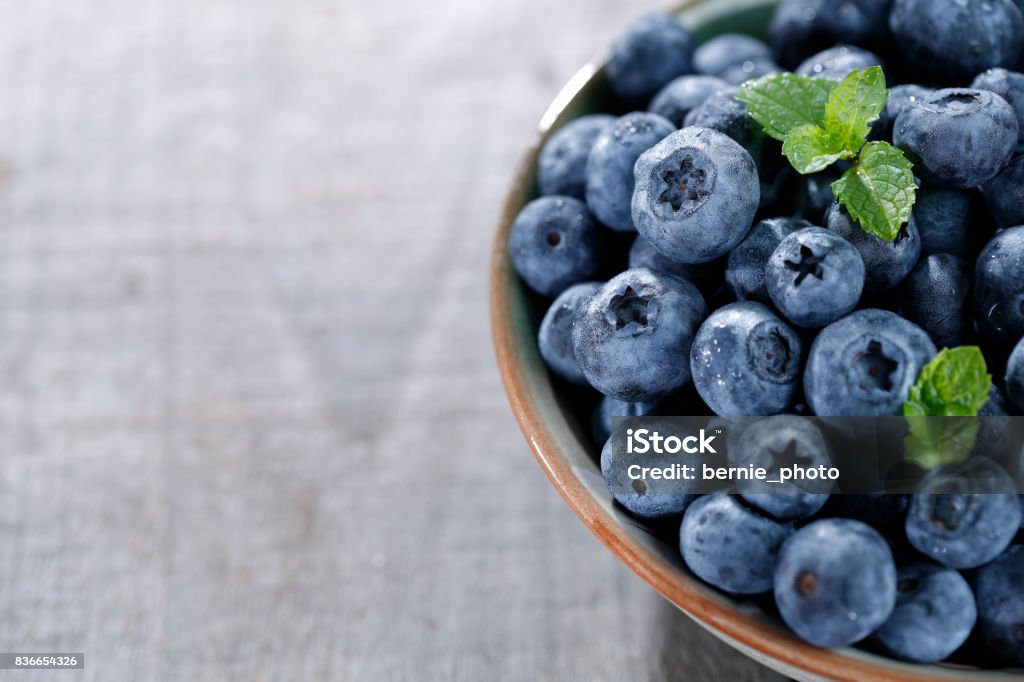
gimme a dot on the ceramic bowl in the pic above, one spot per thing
(557, 430)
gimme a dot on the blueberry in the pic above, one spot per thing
(999, 286)
(776, 443)
(1000, 606)
(957, 39)
(642, 254)
(901, 98)
(997, 405)
(1005, 194)
(958, 137)
(837, 62)
(778, 181)
(730, 546)
(719, 296)
(1015, 375)
(696, 195)
(886, 264)
(856, 21)
(936, 297)
(817, 197)
(610, 408)
(949, 220)
(865, 364)
(653, 50)
(723, 112)
(633, 336)
(995, 436)
(814, 277)
(835, 582)
(744, 271)
(964, 515)
(684, 94)
(1007, 84)
(561, 167)
(881, 511)
(555, 243)
(749, 70)
(555, 335)
(797, 30)
(648, 498)
(609, 168)
(746, 361)
(935, 613)
(727, 50)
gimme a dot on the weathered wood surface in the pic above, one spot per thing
(252, 428)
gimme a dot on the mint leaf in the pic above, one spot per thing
(783, 102)
(853, 105)
(878, 190)
(820, 122)
(810, 149)
(931, 442)
(955, 384)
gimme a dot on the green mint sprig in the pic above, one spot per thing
(820, 122)
(954, 384)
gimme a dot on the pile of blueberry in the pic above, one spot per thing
(688, 269)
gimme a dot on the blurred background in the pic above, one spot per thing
(251, 422)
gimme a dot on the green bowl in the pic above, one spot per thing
(557, 431)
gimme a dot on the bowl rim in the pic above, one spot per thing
(708, 608)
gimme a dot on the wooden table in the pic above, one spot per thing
(252, 427)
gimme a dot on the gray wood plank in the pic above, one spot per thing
(250, 419)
